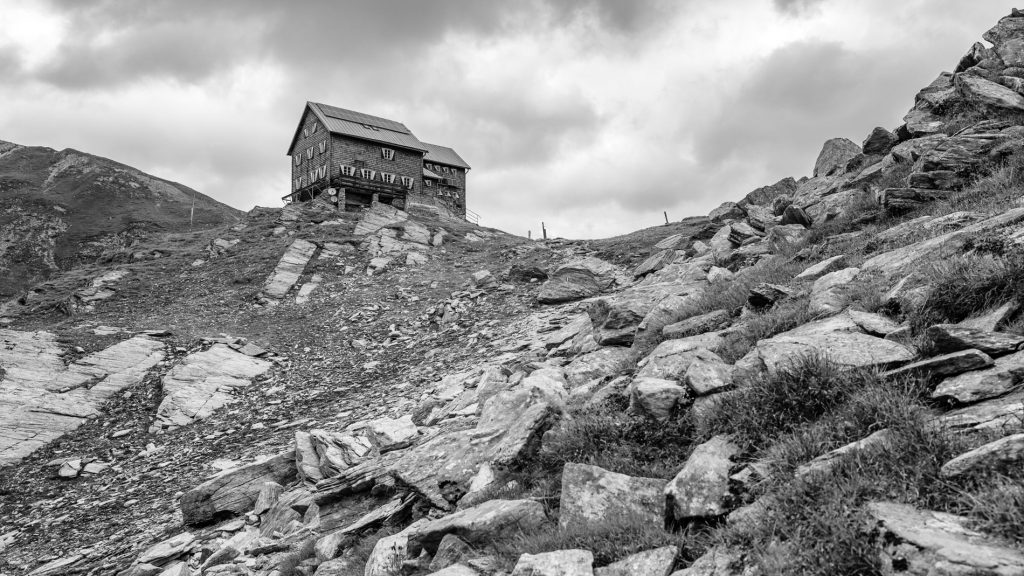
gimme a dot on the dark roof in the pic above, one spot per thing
(443, 155)
(363, 126)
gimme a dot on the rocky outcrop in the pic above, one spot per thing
(579, 279)
(235, 491)
(920, 542)
(593, 496)
(701, 488)
(41, 399)
(288, 270)
(204, 382)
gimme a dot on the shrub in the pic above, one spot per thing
(808, 388)
(817, 526)
(617, 441)
(968, 285)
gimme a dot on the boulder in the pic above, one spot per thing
(900, 260)
(990, 415)
(985, 93)
(654, 262)
(593, 496)
(657, 562)
(879, 142)
(764, 195)
(924, 542)
(509, 429)
(597, 364)
(796, 215)
(975, 386)
(834, 156)
(838, 338)
(483, 279)
(388, 434)
(701, 488)
(997, 455)
(716, 562)
(488, 520)
(830, 294)
(899, 200)
(815, 271)
(766, 295)
(671, 359)
(945, 365)
(656, 398)
(289, 269)
(450, 551)
(741, 232)
(558, 563)
(578, 279)
(694, 325)
(951, 338)
(727, 211)
(235, 490)
(721, 245)
(761, 217)
(673, 242)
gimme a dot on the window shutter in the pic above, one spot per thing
(309, 153)
(323, 147)
(298, 159)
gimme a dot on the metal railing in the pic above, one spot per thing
(472, 217)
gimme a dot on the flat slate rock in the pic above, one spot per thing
(945, 365)
(237, 490)
(593, 496)
(41, 399)
(970, 387)
(992, 456)
(951, 338)
(926, 543)
(996, 414)
(701, 488)
(557, 563)
(818, 270)
(204, 382)
(288, 269)
(657, 562)
(489, 519)
(599, 363)
(826, 462)
(900, 260)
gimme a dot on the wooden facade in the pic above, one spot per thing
(357, 159)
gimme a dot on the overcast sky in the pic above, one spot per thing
(591, 115)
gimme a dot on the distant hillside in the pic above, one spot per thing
(61, 209)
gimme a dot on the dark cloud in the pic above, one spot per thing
(111, 41)
(804, 94)
(795, 7)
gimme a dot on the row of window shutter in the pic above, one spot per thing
(365, 173)
(442, 169)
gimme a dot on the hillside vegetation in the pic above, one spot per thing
(822, 378)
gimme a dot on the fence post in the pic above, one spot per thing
(544, 229)
(666, 218)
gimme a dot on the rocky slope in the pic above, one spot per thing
(61, 209)
(822, 378)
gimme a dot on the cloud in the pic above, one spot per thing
(796, 7)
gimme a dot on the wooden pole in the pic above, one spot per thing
(666, 218)
(529, 234)
(544, 229)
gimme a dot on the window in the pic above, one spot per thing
(367, 173)
(387, 177)
(348, 170)
(312, 175)
(429, 183)
(309, 153)
(298, 159)
(387, 153)
(305, 132)
(321, 172)
(316, 126)
(302, 180)
(407, 181)
(323, 146)
(446, 170)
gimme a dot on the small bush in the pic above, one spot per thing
(619, 442)
(968, 285)
(778, 404)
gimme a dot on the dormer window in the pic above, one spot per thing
(309, 153)
(323, 146)
(387, 153)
